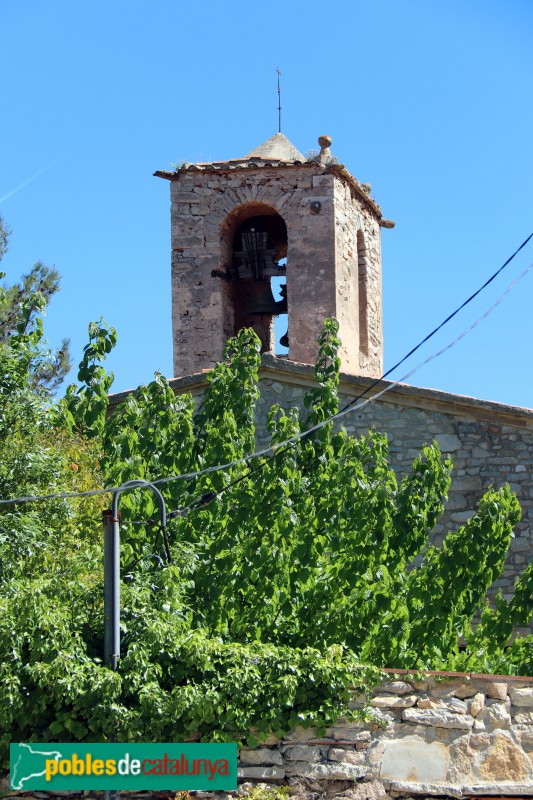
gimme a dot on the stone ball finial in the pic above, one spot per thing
(324, 157)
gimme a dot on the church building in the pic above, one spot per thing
(240, 228)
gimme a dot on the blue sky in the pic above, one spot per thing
(429, 102)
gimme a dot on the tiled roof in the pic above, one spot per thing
(277, 147)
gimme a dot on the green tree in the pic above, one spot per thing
(316, 547)
(22, 306)
(4, 235)
(38, 542)
(287, 574)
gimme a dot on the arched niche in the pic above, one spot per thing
(254, 251)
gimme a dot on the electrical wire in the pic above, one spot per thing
(289, 442)
(459, 308)
(442, 324)
(30, 498)
(350, 404)
(276, 450)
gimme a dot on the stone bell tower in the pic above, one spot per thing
(237, 223)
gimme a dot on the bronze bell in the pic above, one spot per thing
(258, 299)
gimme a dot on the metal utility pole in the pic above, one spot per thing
(111, 520)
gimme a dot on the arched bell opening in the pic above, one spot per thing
(254, 240)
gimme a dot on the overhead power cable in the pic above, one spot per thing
(292, 440)
(281, 446)
(275, 450)
(460, 308)
(442, 324)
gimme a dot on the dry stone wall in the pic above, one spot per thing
(434, 734)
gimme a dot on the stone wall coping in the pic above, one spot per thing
(501, 789)
(468, 675)
(281, 369)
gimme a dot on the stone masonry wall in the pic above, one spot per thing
(431, 735)
(490, 444)
(352, 218)
(441, 734)
(323, 213)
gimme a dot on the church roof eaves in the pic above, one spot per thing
(402, 394)
(263, 163)
(229, 165)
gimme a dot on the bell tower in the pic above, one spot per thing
(237, 224)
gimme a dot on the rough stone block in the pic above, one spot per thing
(505, 761)
(396, 687)
(464, 690)
(303, 752)
(449, 688)
(349, 734)
(522, 697)
(185, 242)
(261, 773)
(393, 701)
(327, 772)
(321, 180)
(424, 685)
(468, 484)
(437, 718)
(477, 704)
(448, 442)
(346, 756)
(523, 718)
(300, 734)
(495, 716)
(521, 544)
(456, 705)
(383, 716)
(415, 760)
(526, 738)
(498, 691)
(262, 756)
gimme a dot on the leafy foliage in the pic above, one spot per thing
(84, 408)
(21, 308)
(290, 578)
(4, 235)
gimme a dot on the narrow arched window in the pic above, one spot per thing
(362, 273)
